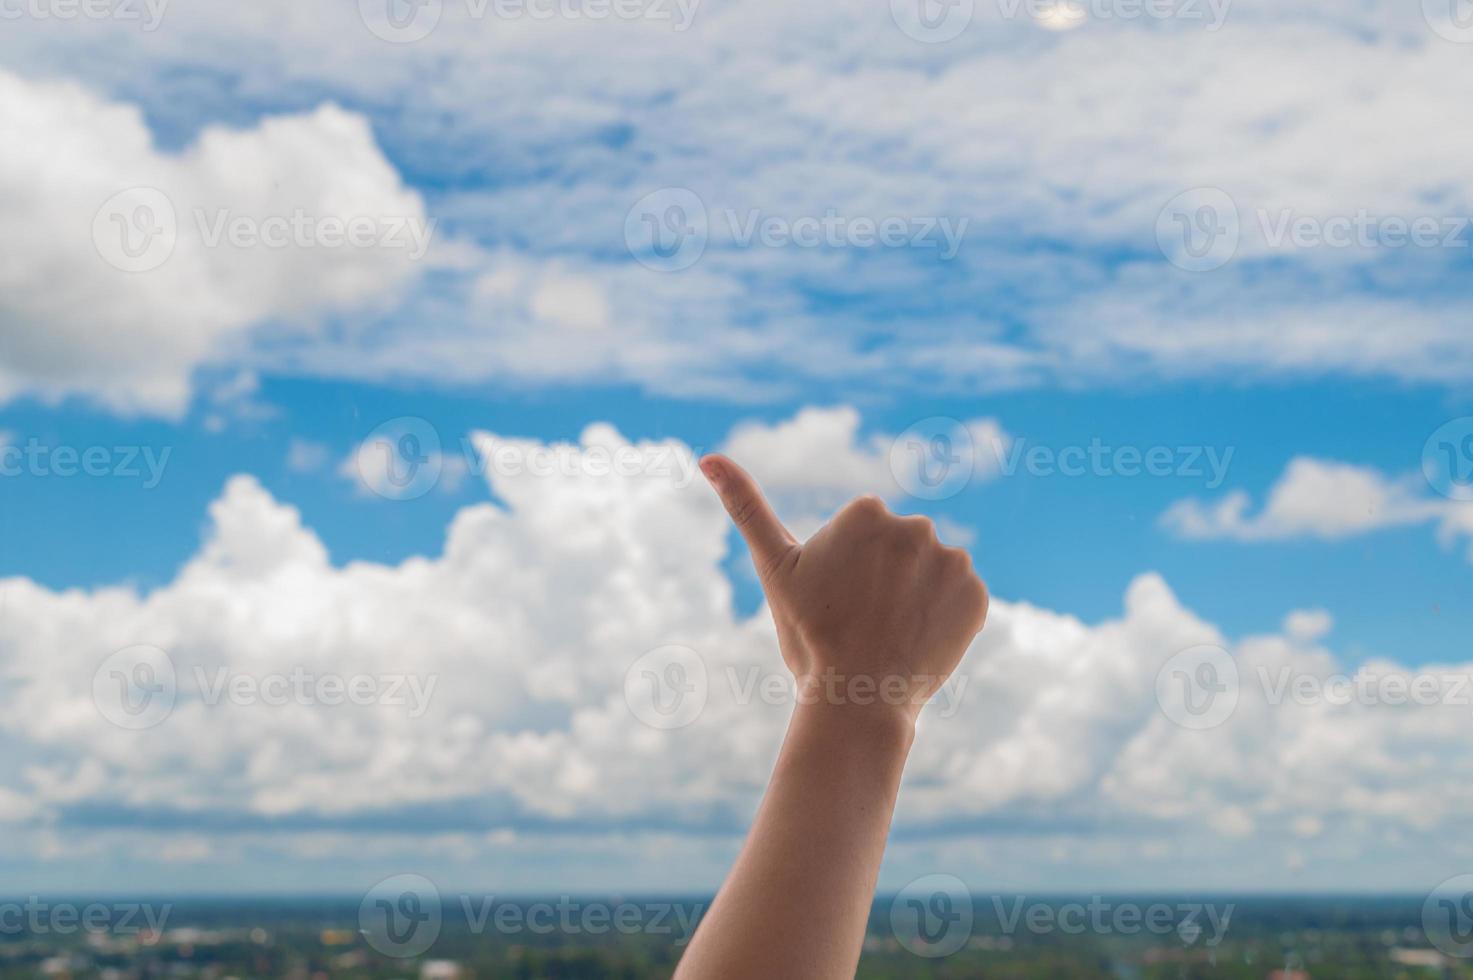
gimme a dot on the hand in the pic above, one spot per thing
(872, 609)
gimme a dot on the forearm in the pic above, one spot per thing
(797, 901)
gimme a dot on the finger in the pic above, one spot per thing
(765, 535)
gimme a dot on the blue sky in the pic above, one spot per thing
(1035, 287)
(1067, 542)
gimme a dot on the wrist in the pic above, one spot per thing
(873, 728)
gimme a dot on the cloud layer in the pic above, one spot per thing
(509, 657)
(760, 114)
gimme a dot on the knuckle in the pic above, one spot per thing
(921, 528)
(868, 508)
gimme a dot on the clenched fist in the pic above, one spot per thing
(872, 609)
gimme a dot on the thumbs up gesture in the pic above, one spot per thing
(872, 611)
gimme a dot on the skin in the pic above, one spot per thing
(873, 614)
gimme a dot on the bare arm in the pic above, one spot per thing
(873, 615)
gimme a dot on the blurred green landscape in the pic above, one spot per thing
(490, 938)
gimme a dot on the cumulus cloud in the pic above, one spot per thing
(511, 652)
(127, 267)
(1322, 499)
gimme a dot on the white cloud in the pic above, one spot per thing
(814, 462)
(1321, 499)
(306, 456)
(534, 612)
(72, 324)
(237, 399)
(1308, 625)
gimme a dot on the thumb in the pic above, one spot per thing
(750, 512)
